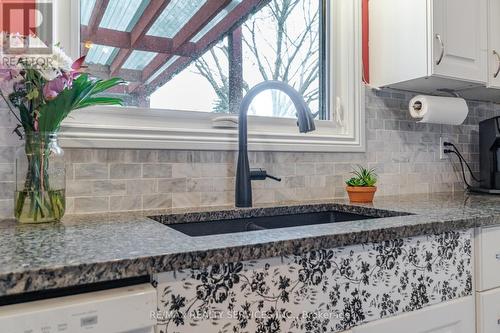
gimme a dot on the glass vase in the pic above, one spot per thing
(40, 180)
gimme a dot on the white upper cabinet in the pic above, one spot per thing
(459, 29)
(494, 43)
(426, 45)
(489, 91)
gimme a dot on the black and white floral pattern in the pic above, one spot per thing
(321, 291)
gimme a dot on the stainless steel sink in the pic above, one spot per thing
(196, 229)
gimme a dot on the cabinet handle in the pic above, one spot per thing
(498, 59)
(497, 256)
(440, 40)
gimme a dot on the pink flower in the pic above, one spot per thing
(77, 65)
(8, 78)
(53, 88)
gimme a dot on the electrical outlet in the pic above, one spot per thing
(442, 140)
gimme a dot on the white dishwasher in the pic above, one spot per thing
(121, 310)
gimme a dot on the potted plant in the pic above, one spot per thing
(44, 94)
(361, 188)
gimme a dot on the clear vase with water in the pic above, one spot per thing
(40, 179)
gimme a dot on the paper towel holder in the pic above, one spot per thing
(417, 106)
(450, 91)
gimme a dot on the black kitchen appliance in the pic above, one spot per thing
(489, 159)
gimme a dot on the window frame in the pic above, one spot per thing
(145, 128)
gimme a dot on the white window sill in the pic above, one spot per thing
(134, 128)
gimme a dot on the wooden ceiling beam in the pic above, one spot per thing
(122, 40)
(147, 19)
(199, 20)
(227, 24)
(96, 16)
(103, 72)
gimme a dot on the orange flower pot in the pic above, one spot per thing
(361, 194)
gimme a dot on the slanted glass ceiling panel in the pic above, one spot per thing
(86, 7)
(162, 68)
(123, 14)
(174, 17)
(139, 59)
(216, 20)
(101, 54)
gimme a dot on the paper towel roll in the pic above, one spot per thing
(439, 110)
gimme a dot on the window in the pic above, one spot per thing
(280, 42)
(187, 63)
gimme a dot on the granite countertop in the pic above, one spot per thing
(90, 249)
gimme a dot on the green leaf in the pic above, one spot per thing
(100, 101)
(102, 86)
(362, 177)
(81, 95)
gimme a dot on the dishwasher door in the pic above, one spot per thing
(121, 310)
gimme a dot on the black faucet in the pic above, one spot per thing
(244, 177)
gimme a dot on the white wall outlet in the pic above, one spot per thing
(442, 140)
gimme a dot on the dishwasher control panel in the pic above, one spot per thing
(121, 310)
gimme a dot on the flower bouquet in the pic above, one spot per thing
(41, 94)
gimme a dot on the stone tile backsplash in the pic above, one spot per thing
(404, 153)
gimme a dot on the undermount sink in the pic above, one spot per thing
(206, 228)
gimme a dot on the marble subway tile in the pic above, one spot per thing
(80, 155)
(175, 185)
(7, 154)
(109, 187)
(263, 196)
(125, 171)
(6, 208)
(224, 184)
(217, 198)
(76, 188)
(295, 181)
(157, 201)
(6, 171)
(176, 156)
(84, 205)
(157, 171)
(125, 203)
(91, 171)
(217, 170)
(183, 170)
(200, 185)
(141, 186)
(183, 200)
(7, 190)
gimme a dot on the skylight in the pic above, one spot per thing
(138, 60)
(174, 17)
(86, 11)
(216, 20)
(122, 15)
(101, 54)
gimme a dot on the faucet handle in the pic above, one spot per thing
(274, 178)
(261, 174)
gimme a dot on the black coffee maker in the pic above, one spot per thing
(489, 162)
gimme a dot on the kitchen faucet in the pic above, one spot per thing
(244, 176)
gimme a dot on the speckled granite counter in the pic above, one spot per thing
(91, 249)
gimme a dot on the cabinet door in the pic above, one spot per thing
(459, 39)
(455, 316)
(488, 311)
(494, 43)
(488, 258)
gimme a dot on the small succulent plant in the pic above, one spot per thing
(362, 177)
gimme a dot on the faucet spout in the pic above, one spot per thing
(305, 122)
